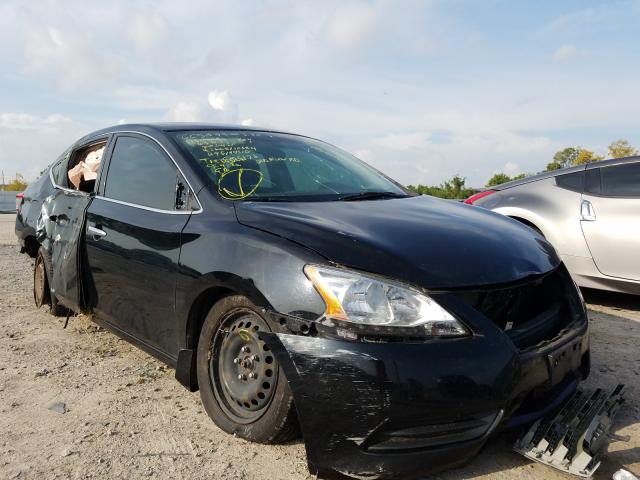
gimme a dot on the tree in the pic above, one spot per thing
(566, 157)
(453, 189)
(552, 166)
(500, 178)
(586, 156)
(572, 156)
(497, 179)
(17, 184)
(621, 148)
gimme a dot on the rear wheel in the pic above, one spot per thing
(42, 293)
(242, 387)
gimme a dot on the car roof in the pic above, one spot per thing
(564, 171)
(162, 127)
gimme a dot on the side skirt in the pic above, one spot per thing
(153, 351)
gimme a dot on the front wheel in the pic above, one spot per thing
(243, 389)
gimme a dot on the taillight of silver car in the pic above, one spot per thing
(474, 198)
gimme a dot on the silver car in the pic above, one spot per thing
(590, 213)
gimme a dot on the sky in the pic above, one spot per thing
(422, 90)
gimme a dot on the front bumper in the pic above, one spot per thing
(404, 410)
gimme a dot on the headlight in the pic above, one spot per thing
(361, 300)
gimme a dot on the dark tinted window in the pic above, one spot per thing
(141, 173)
(571, 181)
(592, 181)
(621, 180)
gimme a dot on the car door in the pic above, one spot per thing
(59, 229)
(610, 218)
(133, 233)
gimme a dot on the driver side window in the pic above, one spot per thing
(141, 174)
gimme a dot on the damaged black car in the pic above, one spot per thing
(305, 293)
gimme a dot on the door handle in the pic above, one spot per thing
(96, 232)
(587, 212)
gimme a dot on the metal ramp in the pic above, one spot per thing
(571, 439)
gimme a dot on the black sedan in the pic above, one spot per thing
(300, 290)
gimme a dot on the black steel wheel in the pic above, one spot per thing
(242, 387)
(241, 367)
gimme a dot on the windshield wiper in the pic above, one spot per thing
(370, 195)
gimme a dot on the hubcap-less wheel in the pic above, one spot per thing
(39, 282)
(241, 367)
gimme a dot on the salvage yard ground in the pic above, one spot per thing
(126, 417)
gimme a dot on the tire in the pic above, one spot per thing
(42, 293)
(243, 389)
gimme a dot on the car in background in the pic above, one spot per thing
(590, 213)
(8, 200)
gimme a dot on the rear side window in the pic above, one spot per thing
(571, 181)
(621, 180)
(142, 174)
(59, 170)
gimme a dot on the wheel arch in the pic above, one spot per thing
(528, 223)
(526, 217)
(31, 246)
(216, 286)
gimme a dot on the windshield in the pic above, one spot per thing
(265, 166)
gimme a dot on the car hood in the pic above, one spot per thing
(433, 243)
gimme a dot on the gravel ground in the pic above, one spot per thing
(125, 416)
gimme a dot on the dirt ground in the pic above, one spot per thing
(125, 416)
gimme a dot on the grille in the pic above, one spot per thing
(530, 312)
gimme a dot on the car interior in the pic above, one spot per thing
(83, 167)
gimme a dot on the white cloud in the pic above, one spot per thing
(185, 111)
(20, 121)
(146, 29)
(137, 97)
(417, 88)
(404, 141)
(578, 20)
(224, 106)
(564, 53)
(352, 24)
(56, 118)
(30, 142)
(248, 122)
(67, 55)
(220, 100)
(511, 168)
(16, 120)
